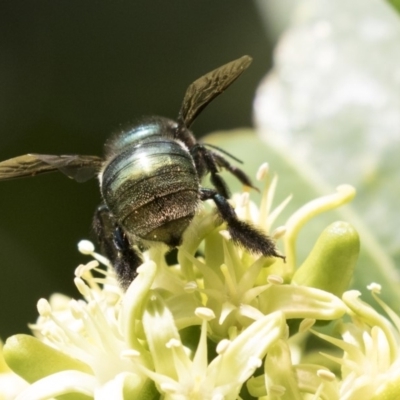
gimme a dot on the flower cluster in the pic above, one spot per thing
(221, 324)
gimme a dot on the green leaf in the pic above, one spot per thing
(395, 4)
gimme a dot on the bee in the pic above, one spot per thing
(150, 180)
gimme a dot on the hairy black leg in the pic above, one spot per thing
(103, 227)
(116, 247)
(205, 162)
(235, 171)
(241, 232)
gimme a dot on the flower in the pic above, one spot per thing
(196, 330)
(370, 365)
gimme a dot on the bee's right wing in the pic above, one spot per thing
(80, 168)
(203, 90)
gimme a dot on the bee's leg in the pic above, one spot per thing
(209, 161)
(115, 245)
(241, 232)
(235, 171)
(205, 161)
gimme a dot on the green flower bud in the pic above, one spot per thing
(32, 360)
(331, 263)
(3, 365)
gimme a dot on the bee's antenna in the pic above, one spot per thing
(224, 152)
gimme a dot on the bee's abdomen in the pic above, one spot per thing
(152, 189)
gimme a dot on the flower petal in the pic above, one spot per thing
(343, 195)
(234, 366)
(163, 338)
(278, 371)
(60, 383)
(132, 307)
(301, 302)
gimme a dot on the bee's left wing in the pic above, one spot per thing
(80, 168)
(209, 86)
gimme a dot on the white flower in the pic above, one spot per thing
(197, 330)
(370, 364)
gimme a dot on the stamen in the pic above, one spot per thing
(83, 289)
(277, 390)
(374, 287)
(306, 324)
(204, 313)
(173, 343)
(275, 279)
(326, 375)
(129, 354)
(222, 346)
(190, 287)
(168, 387)
(85, 268)
(76, 309)
(278, 232)
(86, 247)
(44, 308)
(262, 172)
(225, 234)
(254, 362)
(243, 200)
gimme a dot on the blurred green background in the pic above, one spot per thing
(70, 73)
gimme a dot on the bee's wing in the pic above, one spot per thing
(80, 168)
(206, 88)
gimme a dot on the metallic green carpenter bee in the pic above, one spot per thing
(150, 180)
